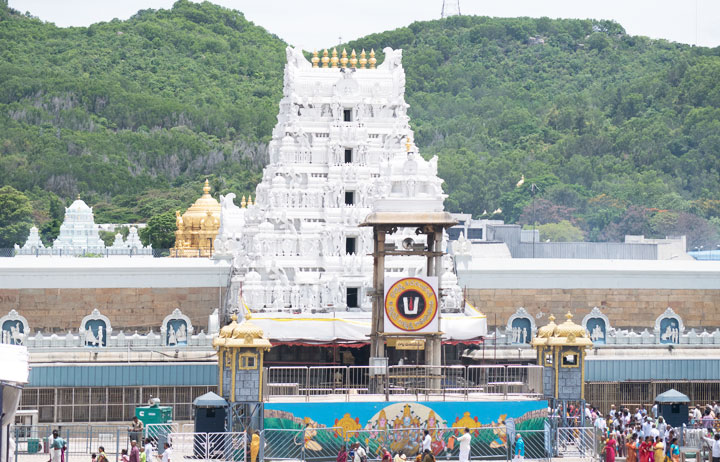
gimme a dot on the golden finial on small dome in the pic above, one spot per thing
(315, 60)
(334, 59)
(250, 202)
(408, 144)
(325, 60)
(353, 59)
(551, 318)
(344, 59)
(372, 59)
(234, 317)
(363, 60)
(243, 202)
(569, 316)
(206, 188)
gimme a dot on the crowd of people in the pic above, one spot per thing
(645, 436)
(356, 453)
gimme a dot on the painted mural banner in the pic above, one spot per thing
(318, 430)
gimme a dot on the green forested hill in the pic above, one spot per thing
(621, 134)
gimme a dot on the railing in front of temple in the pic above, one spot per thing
(422, 381)
(6, 252)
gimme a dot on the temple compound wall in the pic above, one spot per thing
(54, 294)
(626, 308)
(631, 293)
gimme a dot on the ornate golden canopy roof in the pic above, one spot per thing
(547, 330)
(566, 334)
(241, 335)
(199, 210)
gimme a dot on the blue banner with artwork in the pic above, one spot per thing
(400, 426)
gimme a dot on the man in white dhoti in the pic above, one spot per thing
(57, 447)
(465, 446)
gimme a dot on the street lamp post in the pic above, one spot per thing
(533, 190)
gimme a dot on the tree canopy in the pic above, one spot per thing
(620, 133)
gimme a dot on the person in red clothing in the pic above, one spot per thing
(342, 455)
(386, 456)
(610, 449)
(645, 450)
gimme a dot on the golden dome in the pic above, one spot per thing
(547, 330)
(197, 227)
(206, 203)
(569, 328)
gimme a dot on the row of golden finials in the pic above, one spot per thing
(248, 203)
(343, 60)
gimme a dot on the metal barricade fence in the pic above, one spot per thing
(287, 381)
(158, 433)
(208, 446)
(488, 443)
(577, 442)
(284, 444)
(80, 441)
(501, 380)
(357, 380)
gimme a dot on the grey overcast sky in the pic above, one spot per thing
(318, 23)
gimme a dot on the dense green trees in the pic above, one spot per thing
(160, 231)
(15, 217)
(616, 130)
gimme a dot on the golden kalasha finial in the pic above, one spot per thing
(408, 144)
(344, 59)
(372, 59)
(315, 60)
(250, 202)
(569, 316)
(363, 60)
(325, 60)
(206, 188)
(334, 59)
(353, 59)
(243, 202)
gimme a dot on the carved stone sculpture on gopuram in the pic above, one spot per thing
(342, 148)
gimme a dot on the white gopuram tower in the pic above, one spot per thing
(340, 150)
(78, 232)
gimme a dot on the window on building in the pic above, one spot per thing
(350, 245)
(349, 197)
(247, 361)
(347, 115)
(474, 233)
(351, 297)
(570, 359)
(348, 156)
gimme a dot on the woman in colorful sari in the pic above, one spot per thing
(644, 450)
(631, 449)
(610, 448)
(659, 449)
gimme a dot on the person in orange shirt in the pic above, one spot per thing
(631, 447)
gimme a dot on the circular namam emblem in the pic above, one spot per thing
(411, 304)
